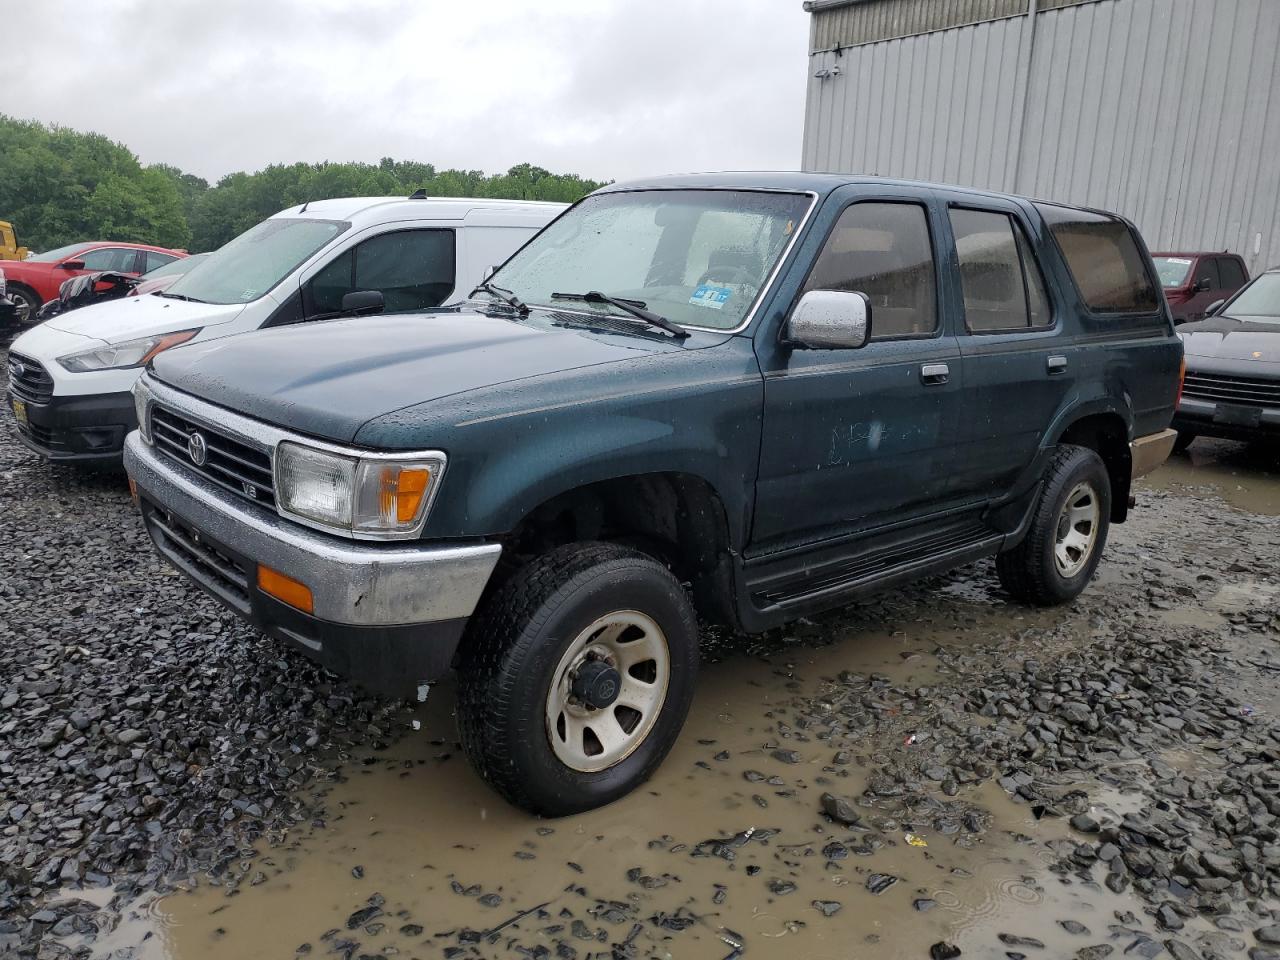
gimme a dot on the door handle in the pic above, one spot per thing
(1057, 365)
(934, 373)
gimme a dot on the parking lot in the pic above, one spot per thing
(932, 766)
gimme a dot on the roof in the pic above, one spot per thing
(395, 208)
(819, 183)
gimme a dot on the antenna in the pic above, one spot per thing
(303, 208)
(419, 194)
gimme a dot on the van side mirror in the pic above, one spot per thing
(830, 320)
(1214, 308)
(360, 303)
(489, 271)
(71, 265)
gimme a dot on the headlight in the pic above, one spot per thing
(141, 396)
(131, 353)
(374, 497)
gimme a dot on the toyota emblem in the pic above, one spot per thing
(197, 450)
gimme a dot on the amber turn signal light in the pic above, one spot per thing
(285, 589)
(133, 490)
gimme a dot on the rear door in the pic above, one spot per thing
(1231, 277)
(1206, 289)
(1018, 359)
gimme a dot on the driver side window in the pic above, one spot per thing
(412, 269)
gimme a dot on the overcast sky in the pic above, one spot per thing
(610, 90)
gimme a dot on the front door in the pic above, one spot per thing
(854, 439)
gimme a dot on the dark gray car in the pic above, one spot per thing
(1232, 387)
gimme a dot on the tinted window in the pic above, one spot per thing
(1105, 260)
(884, 251)
(1002, 286)
(157, 260)
(1207, 271)
(412, 269)
(110, 258)
(1230, 273)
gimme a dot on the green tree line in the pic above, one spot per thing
(60, 186)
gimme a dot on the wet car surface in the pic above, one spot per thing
(935, 766)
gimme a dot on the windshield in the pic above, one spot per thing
(1260, 299)
(254, 262)
(1173, 271)
(51, 256)
(698, 257)
(181, 265)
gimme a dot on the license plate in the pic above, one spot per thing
(1238, 416)
(20, 412)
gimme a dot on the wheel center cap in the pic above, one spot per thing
(597, 684)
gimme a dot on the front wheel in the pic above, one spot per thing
(576, 678)
(26, 305)
(1057, 557)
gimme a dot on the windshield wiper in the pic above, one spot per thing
(178, 296)
(633, 307)
(503, 294)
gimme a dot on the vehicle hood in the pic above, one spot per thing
(45, 343)
(18, 269)
(130, 317)
(1232, 338)
(329, 378)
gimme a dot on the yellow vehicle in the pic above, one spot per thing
(9, 249)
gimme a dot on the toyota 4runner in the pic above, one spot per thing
(734, 398)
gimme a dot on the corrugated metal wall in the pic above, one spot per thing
(1167, 111)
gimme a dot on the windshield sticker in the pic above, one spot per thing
(709, 296)
(1179, 261)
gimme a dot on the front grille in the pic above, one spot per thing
(28, 380)
(206, 562)
(1220, 388)
(236, 466)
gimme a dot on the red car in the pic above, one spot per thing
(1195, 281)
(36, 279)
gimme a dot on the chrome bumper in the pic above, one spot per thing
(1150, 451)
(352, 583)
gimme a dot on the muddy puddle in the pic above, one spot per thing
(1247, 476)
(439, 867)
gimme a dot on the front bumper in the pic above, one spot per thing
(1205, 418)
(76, 429)
(388, 616)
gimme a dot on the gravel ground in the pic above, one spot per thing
(147, 737)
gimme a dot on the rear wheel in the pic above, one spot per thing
(576, 678)
(1069, 525)
(1185, 439)
(27, 302)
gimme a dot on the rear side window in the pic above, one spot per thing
(1003, 287)
(1231, 273)
(156, 260)
(1105, 260)
(883, 250)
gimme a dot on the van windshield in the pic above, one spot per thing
(697, 257)
(254, 262)
(1173, 271)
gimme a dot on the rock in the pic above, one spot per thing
(1269, 935)
(1099, 951)
(943, 951)
(1074, 927)
(1168, 918)
(1012, 940)
(1085, 823)
(1219, 866)
(828, 908)
(924, 904)
(839, 810)
(878, 883)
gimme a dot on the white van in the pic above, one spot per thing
(70, 377)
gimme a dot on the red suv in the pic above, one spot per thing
(1195, 281)
(36, 279)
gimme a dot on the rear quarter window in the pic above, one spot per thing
(1105, 260)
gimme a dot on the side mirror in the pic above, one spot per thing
(358, 303)
(1214, 308)
(489, 271)
(830, 320)
(71, 265)
(1203, 284)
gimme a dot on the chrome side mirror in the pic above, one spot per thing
(830, 320)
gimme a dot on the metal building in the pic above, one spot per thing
(1167, 111)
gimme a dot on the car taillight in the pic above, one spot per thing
(1182, 379)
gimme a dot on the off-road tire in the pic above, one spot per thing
(1185, 439)
(1028, 571)
(17, 292)
(510, 654)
